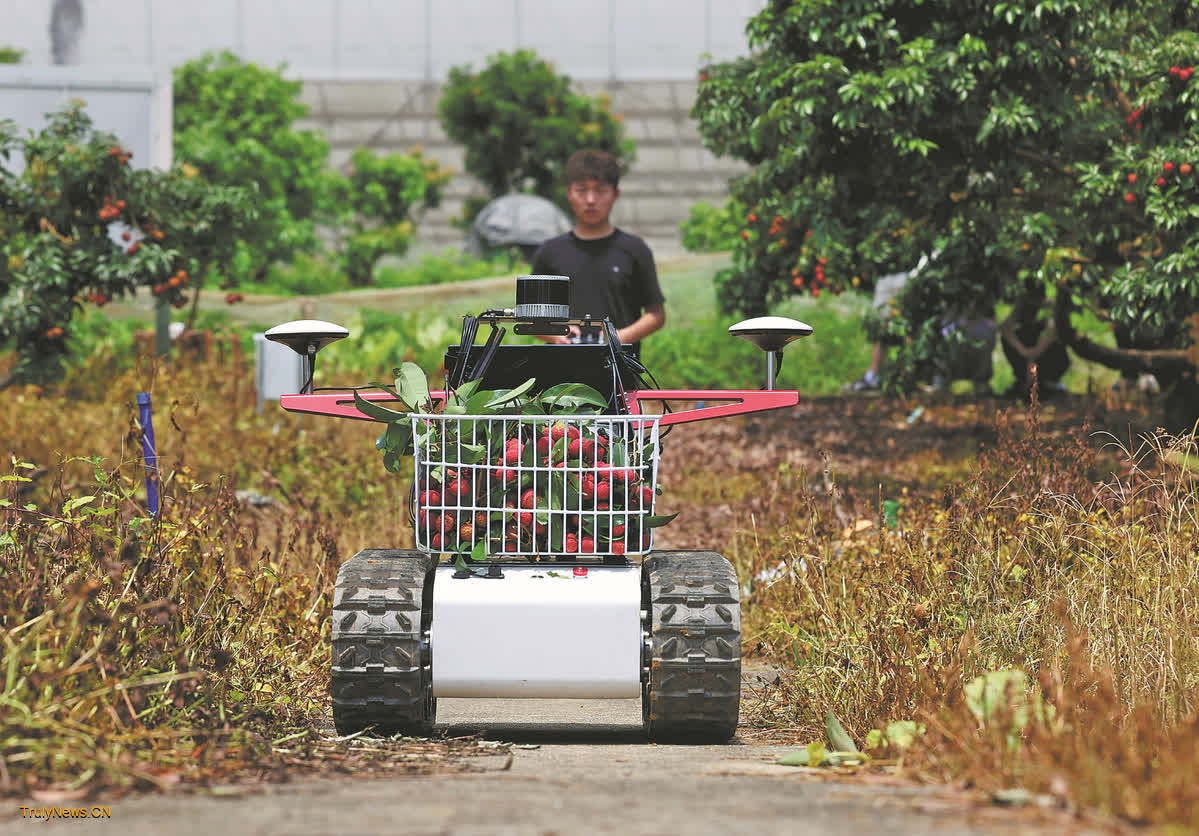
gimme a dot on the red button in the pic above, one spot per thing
(580, 571)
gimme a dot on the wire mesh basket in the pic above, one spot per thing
(524, 485)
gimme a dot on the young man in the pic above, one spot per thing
(612, 272)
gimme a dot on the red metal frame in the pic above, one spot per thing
(747, 400)
(341, 404)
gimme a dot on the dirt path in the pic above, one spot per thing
(574, 767)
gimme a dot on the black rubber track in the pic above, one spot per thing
(693, 691)
(381, 607)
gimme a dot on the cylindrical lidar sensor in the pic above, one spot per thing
(542, 297)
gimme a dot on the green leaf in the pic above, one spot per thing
(816, 753)
(797, 758)
(413, 387)
(659, 520)
(379, 413)
(903, 733)
(571, 396)
(837, 738)
(479, 403)
(472, 453)
(463, 392)
(512, 394)
(71, 504)
(479, 552)
(398, 437)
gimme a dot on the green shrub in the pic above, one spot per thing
(234, 123)
(305, 275)
(11, 55)
(713, 228)
(519, 121)
(377, 203)
(59, 227)
(448, 266)
(879, 132)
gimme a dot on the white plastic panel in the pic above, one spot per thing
(540, 631)
(410, 39)
(277, 370)
(135, 105)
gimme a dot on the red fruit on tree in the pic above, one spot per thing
(1161, 181)
(753, 219)
(1167, 167)
(745, 235)
(1174, 71)
(512, 451)
(1132, 178)
(1184, 169)
(1130, 198)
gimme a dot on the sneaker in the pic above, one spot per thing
(867, 384)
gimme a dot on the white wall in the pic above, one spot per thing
(404, 39)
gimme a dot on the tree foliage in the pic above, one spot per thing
(1040, 146)
(519, 121)
(79, 225)
(234, 122)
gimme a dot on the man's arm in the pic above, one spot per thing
(649, 322)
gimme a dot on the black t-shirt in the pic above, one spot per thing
(612, 276)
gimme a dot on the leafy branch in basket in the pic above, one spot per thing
(515, 472)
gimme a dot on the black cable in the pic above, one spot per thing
(456, 376)
(489, 349)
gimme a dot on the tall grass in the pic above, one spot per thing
(191, 647)
(1072, 562)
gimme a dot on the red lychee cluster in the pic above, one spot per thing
(111, 210)
(555, 492)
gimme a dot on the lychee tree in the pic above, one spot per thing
(518, 121)
(1000, 135)
(79, 226)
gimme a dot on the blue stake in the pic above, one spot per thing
(149, 454)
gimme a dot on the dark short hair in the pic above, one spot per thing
(592, 164)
